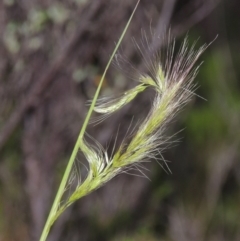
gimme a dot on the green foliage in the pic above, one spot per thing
(10, 38)
(200, 126)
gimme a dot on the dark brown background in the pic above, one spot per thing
(52, 55)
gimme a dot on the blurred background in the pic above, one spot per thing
(52, 55)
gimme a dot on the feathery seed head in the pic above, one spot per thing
(171, 79)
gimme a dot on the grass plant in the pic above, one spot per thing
(171, 78)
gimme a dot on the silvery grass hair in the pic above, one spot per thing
(171, 77)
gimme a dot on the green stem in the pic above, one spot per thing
(56, 203)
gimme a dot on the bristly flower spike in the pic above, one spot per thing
(171, 79)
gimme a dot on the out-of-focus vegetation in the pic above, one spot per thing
(52, 55)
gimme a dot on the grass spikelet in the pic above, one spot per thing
(173, 88)
(107, 107)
